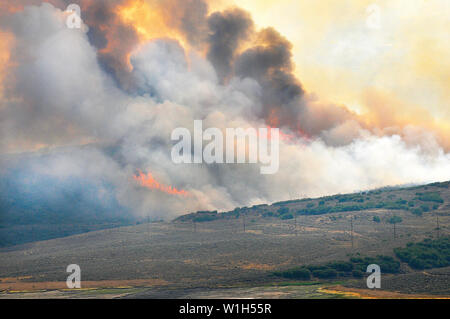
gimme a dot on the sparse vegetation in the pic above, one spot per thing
(417, 211)
(430, 197)
(287, 216)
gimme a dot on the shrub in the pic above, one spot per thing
(376, 219)
(296, 273)
(283, 210)
(430, 197)
(313, 268)
(386, 263)
(205, 218)
(395, 220)
(426, 254)
(341, 266)
(325, 273)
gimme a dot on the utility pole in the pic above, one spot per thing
(394, 231)
(148, 225)
(437, 225)
(351, 227)
(295, 224)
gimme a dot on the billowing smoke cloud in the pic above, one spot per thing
(86, 112)
(270, 64)
(112, 38)
(228, 30)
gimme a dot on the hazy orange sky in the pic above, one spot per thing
(340, 57)
(401, 68)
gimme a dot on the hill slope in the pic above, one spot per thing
(418, 200)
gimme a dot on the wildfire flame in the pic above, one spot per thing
(273, 121)
(148, 181)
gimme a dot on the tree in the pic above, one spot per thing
(395, 220)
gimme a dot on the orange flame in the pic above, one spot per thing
(286, 137)
(147, 180)
(273, 121)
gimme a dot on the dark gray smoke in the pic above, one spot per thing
(228, 30)
(271, 65)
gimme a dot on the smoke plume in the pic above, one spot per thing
(86, 114)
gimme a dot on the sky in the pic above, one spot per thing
(359, 90)
(339, 57)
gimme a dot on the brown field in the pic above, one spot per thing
(21, 286)
(375, 294)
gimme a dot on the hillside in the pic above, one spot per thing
(31, 218)
(418, 200)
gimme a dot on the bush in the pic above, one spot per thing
(357, 274)
(325, 273)
(206, 218)
(417, 211)
(283, 210)
(355, 267)
(426, 254)
(376, 219)
(386, 263)
(395, 220)
(296, 273)
(341, 266)
(430, 197)
(313, 268)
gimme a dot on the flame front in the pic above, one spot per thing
(148, 181)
